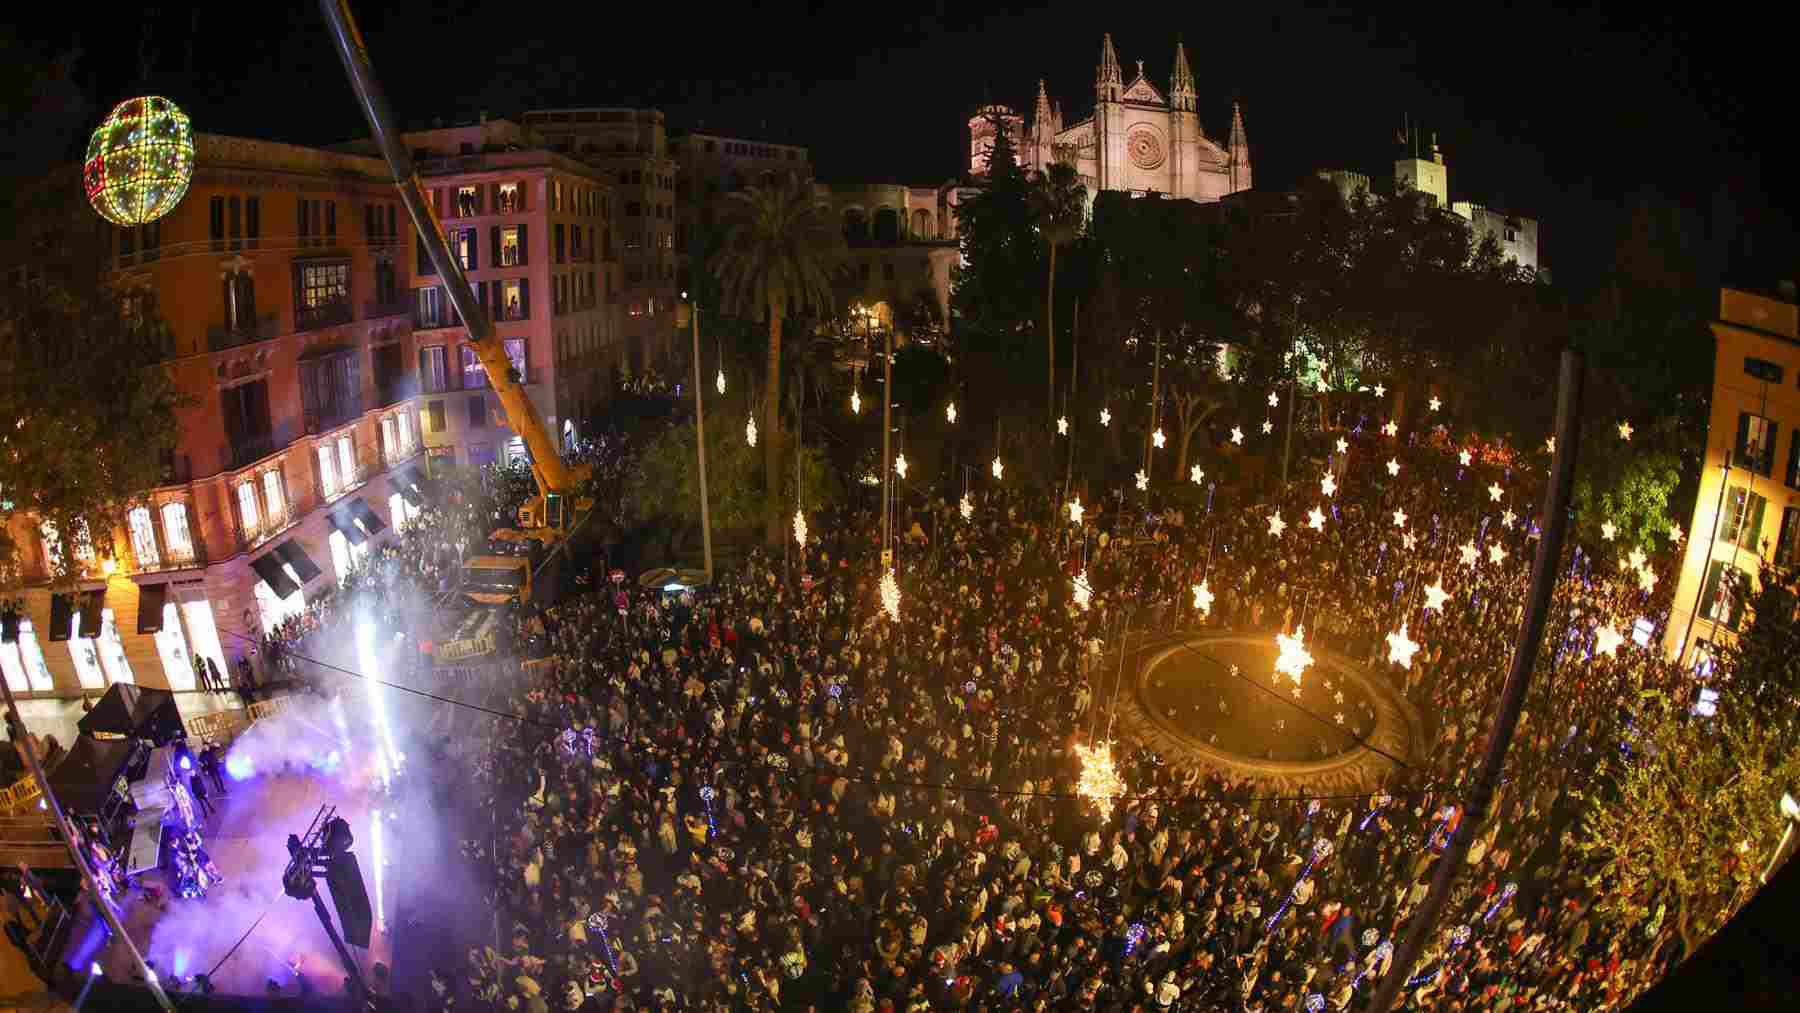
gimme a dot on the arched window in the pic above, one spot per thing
(856, 226)
(240, 302)
(887, 226)
(921, 225)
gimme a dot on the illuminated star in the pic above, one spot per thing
(950, 412)
(1158, 438)
(1343, 445)
(750, 432)
(1646, 580)
(1296, 692)
(1607, 641)
(1076, 510)
(1637, 559)
(1435, 595)
(1674, 532)
(1408, 540)
(1276, 525)
(1508, 517)
(1470, 554)
(1625, 431)
(1062, 426)
(1237, 435)
(1394, 467)
(1608, 530)
(855, 402)
(1339, 717)
(1495, 492)
(1323, 386)
(1337, 697)
(1143, 480)
(1274, 399)
(1400, 518)
(1196, 474)
(1328, 484)
(1106, 416)
(1392, 428)
(900, 465)
(1550, 445)
(998, 468)
(719, 381)
(1495, 553)
(1203, 600)
(1380, 391)
(1401, 647)
(1316, 519)
(1268, 427)
(967, 507)
(1465, 457)
(1436, 404)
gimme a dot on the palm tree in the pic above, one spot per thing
(1059, 201)
(776, 256)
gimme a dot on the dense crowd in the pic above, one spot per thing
(789, 801)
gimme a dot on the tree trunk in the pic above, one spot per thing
(1050, 335)
(771, 434)
(1181, 451)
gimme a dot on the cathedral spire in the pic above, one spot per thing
(1239, 150)
(1181, 87)
(1040, 116)
(1106, 81)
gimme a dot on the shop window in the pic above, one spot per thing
(143, 537)
(176, 537)
(1742, 524)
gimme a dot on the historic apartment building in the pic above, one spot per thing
(708, 167)
(283, 278)
(1748, 508)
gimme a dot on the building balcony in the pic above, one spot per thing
(252, 535)
(316, 422)
(394, 308)
(248, 450)
(220, 337)
(394, 390)
(192, 558)
(311, 318)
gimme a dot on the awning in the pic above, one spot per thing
(371, 521)
(345, 524)
(62, 616)
(268, 567)
(150, 607)
(92, 604)
(296, 557)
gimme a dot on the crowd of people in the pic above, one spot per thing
(768, 794)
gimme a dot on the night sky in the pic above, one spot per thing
(1555, 114)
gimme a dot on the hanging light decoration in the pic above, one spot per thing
(799, 528)
(1609, 530)
(1343, 445)
(1100, 783)
(1380, 391)
(856, 402)
(1076, 510)
(1435, 596)
(1401, 647)
(1607, 641)
(1274, 399)
(998, 469)
(1237, 436)
(1316, 519)
(890, 595)
(967, 507)
(750, 431)
(1062, 426)
(140, 160)
(1646, 580)
(1203, 598)
(1196, 474)
(719, 381)
(900, 464)
(1082, 591)
(1143, 481)
(1158, 438)
(1392, 428)
(1550, 445)
(1508, 518)
(1464, 458)
(1294, 659)
(1436, 403)
(1400, 519)
(1470, 554)
(950, 412)
(1268, 426)
(1625, 431)
(1393, 467)
(1106, 416)
(1276, 525)
(1496, 554)
(1495, 492)
(1328, 485)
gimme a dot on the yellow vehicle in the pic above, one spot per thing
(497, 580)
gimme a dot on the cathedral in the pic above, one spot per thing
(1138, 139)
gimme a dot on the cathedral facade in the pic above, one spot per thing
(1137, 139)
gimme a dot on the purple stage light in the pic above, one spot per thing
(240, 767)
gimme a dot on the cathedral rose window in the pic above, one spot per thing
(1145, 149)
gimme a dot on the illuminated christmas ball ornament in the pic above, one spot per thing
(140, 161)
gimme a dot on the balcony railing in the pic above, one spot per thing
(394, 308)
(308, 318)
(267, 527)
(426, 321)
(219, 337)
(188, 559)
(248, 450)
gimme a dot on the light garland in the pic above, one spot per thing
(1401, 647)
(799, 528)
(750, 431)
(1100, 782)
(890, 595)
(1203, 598)
(1294, 658)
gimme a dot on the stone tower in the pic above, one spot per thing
(1184, 128)
(1426, 175)
(1043, 133)
(1239, 151)
(1109, 119)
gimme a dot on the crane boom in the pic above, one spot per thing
(546, 462)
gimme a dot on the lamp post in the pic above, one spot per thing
(700, 443)
(1790, 812)
(887, 435)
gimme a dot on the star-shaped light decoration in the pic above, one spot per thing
(799, 528)
(1380, 391)
(1464, 458)
(1636, 558)
(1436, 403)
(1082, 591)
(1470, 554)
(750, 431)
(1100, 783)
(1401, 647)
(1646, 580)
(1607, 640)
(1390, 428)
(1408, 540)
(1435, 596)
(1625, 431)
(856, 402)
(1550, 445)
(1323, 386)
(950, 413)
(1196, 473)
(1343, 445)
(1495, 492)
(1316, 519)
(1338, 717)
(719, 382)
(1268, 427)
(1400, 519)
(1158, 438)
(998, 469)
(966, 506)
(1076, 510)
(900, 465)
(1143, 481)
(1106, 416)
(1296, 692)
(1508, 518)
(1609, 530)
(1062, 426)
(1394, 467)
(1274, 399)
(1294, 658)
(1203, 598)
(1674, 532)
(1276, 525)
(1496, 554)
(1328, 485)
(1237, 436)
(890, 595)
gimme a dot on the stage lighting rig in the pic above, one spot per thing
(323, 852)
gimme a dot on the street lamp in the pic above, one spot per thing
(1790, 811)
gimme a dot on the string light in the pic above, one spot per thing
(750, 431)
(1203, 598)
(1100, 781)
(799, 528)
(1401, 647)
(890, 595)
(1294, 658)
(998, 469)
